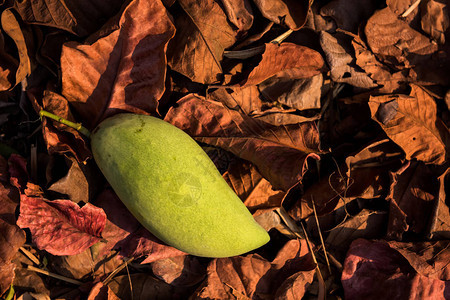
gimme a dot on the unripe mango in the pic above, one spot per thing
(171, 186)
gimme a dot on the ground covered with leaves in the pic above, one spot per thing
(329, 119)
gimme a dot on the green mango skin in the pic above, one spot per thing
(172, 187)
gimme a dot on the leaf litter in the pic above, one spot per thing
(331, 116)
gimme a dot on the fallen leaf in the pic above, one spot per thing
(61, 227)
(290, 13)
(203, 33)
(80, 18)
(253, 276)
(279, 153)
(412, 123)
(184, 271)
(239, 13)
(295, 286)
(23, 39)
(374, 270)
(395, 42)
(286, 60)
(435, 19)
(121, 70)
(102, 292)
(8, 66)
(440, 226)
(343, 69)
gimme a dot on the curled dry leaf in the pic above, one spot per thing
(377, 270)
(183, 271)
(290, 13)
(254, 277)
(122, 70)
(279, 152)
(102, 292)
(203, 33)
(80, 18)
(8, 66)
(286, 60)
(239, 13)
(412, 123)
(440, 227)
(413, 196)
(342, 63)
(61, 227)
(435, 19)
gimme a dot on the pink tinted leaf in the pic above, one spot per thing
(61, 227)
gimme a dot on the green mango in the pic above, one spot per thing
(171, 186)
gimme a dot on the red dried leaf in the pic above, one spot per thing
(122, 70)
(412, 123)
(203, 33)
(286, 60)
(374, 270)
(61, 227)
(279, 152)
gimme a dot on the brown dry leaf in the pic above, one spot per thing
(412, 123)
(84, 265)
(301, 94)
(413, 196)
(286, 60)
(8, 66)
(395, 42)
(59, 137)
(279, 152)
(286, 12)
(254, 277)
(366, 224)
(435, 19)
(23, 39)
(78, 17)
(349, 14)
(381, 74)
(295, 286)
(255, 191)
(203, 33)
(343, 69)
(239, 13)
(441, 215)
(244, 99)
(122, 70)
(144, 286)
(102, 292)
(183, 271)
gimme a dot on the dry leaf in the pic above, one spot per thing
(203, 33)
(412, 123)
(181, 271)
(440, 227)
(341, 62)
(81, 18)
(290, 13)
(102, 292)
(122, 70)
(435, 19)
(286, 60)
(8, 66)
(61, 227)
(239, 13)
(279, 153)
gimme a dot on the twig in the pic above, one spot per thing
(411, 9)
(320, 234)
(60, 277)
(117, 270)
(30, 255)
(76, 126)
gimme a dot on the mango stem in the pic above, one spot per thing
(76, 126)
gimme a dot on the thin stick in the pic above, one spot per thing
(320, 234)
(70, 280)
(411, 8)
(30, 255)
(76, 126)
(117, 270)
